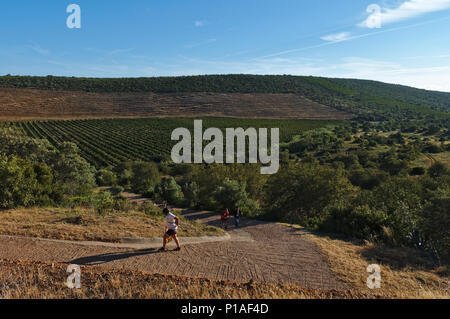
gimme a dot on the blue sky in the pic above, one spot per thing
(405, 42)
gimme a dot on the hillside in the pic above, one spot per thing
(21, 104)
(369, 100)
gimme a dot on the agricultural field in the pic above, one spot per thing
(106, 142)
(27, 104)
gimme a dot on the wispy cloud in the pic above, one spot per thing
(406, 10)
(337, 37)
(120, 51)
(199, 23)
(37, 48)
(355, 37)
(194, 45)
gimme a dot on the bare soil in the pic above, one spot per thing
(25, 104)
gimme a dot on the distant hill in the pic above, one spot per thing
(369, 100)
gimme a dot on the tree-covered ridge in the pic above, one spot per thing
(419, 97)
(373, 101)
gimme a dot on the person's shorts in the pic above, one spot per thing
(171, 232)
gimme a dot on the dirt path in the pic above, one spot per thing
(258, 251)
(431, 158)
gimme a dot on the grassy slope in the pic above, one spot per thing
(84, 224)
(405, 272)
(39, 280)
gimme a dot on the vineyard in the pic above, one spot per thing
(111, 141)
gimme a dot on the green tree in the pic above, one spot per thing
(232, 195)
(191, 193)
(302, 193)
(434, 225)
(438, 169)
(168, 190)
(73, 174)
(400, 199)
(24, 183)
(145, 177)
(106, 177)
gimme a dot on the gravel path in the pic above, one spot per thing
(258, 251)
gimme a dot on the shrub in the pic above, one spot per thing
(417, 171)
(367, 178)
(437, 170)
(301, 193)
(360, 222)
(106, 178)
(103, 202)
(24, 183)
(232, 194)
(168, 190)
(191, 192)
(151, 210)
(145, 177)
(72, 173)
(117, 190)
(79, 201)
(121, 204)
(435, 226)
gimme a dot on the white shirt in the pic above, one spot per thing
(170, 221)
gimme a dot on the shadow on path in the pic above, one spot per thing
(213, 219)
(105, 258)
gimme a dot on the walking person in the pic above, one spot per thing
(224, 215)
(172, 223)
(237, 217)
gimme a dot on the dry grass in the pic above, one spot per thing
(427, 160)
(23, 280)
(406, 273)
(84, 224)
(443, 157)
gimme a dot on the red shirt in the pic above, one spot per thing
(225, 214)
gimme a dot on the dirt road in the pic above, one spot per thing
(258, 251)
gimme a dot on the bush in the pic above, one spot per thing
(103, 202)
(191, 192)
(117, 190)
(79, 201)
(432, 148)
(72, 173)
(360, 222)
(168, 190)
(145, 177)
(24, 183)
(437, 170)
(232, 195)
(303, 193)
(400, 200)
(367, 178)
(151, 210)
(106, 178)
(121, 204)
(417, 171)
(435, 226)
